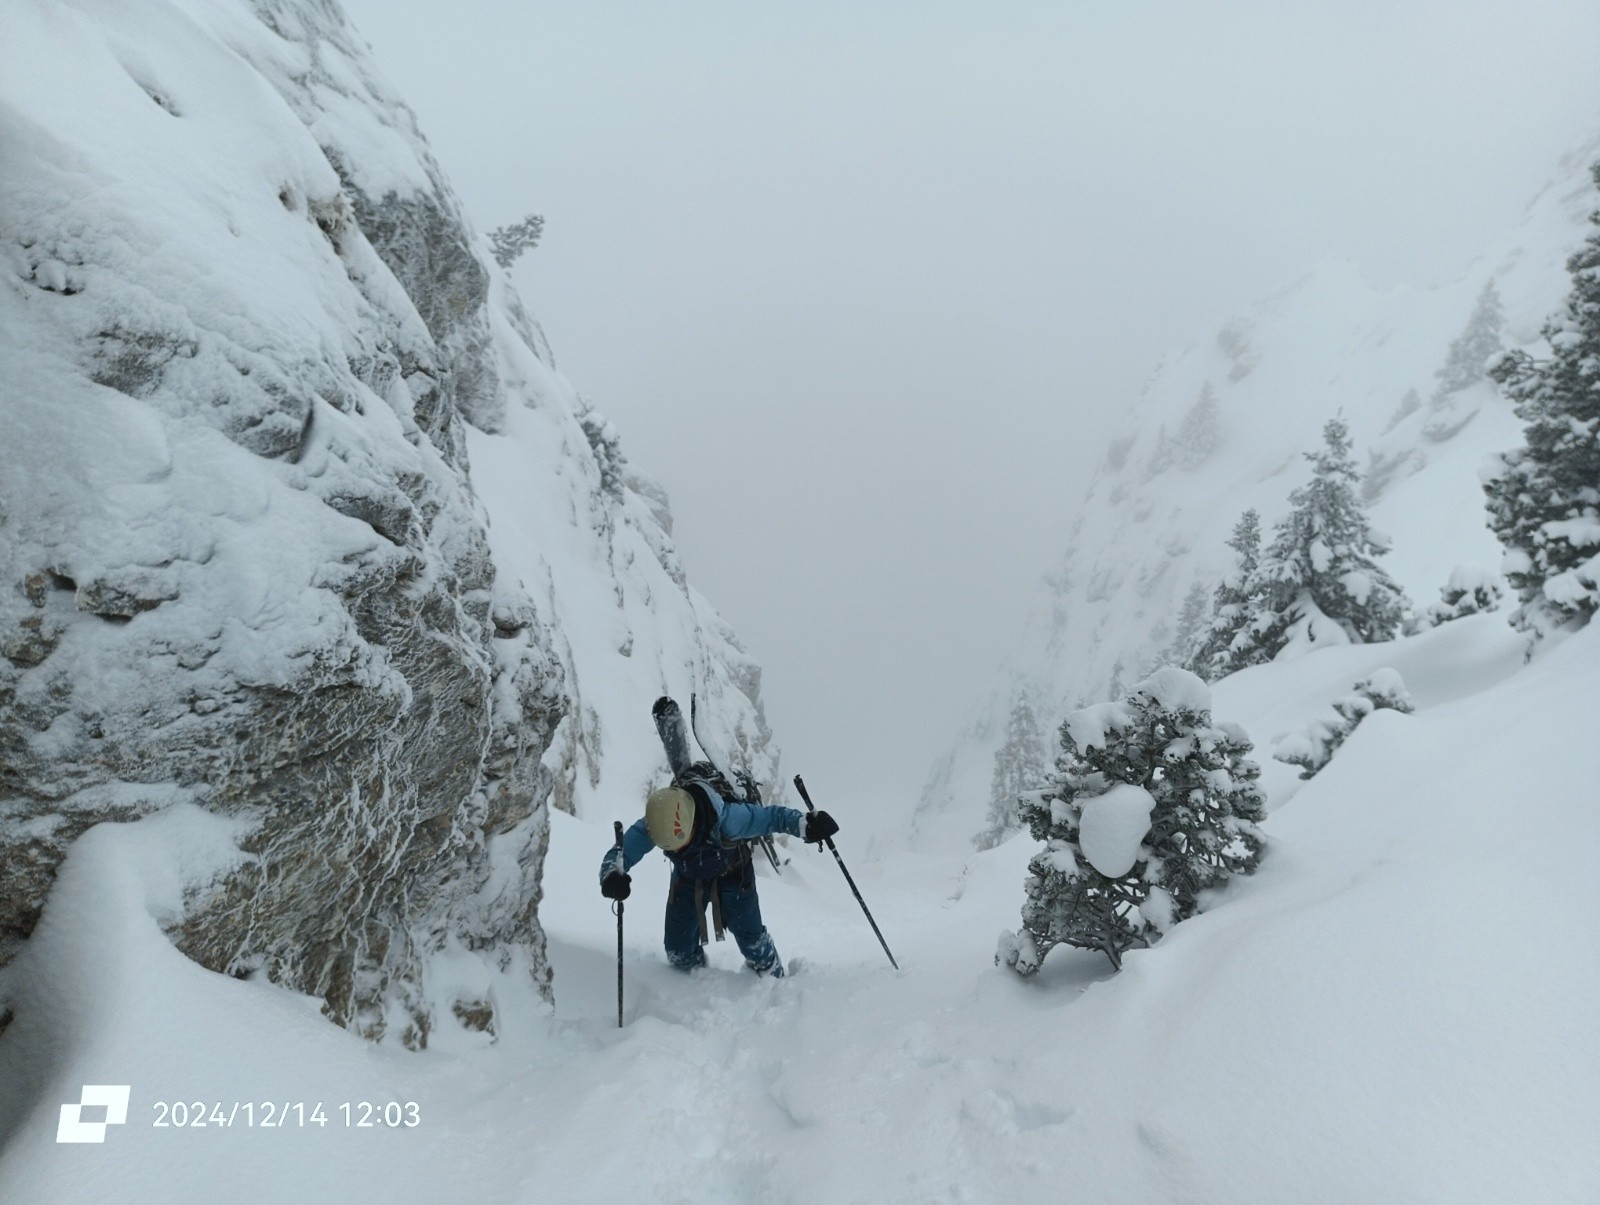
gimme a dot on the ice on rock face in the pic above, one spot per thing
(1113, 827)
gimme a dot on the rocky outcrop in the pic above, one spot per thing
(246, 338)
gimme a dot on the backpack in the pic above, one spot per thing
(707, 856)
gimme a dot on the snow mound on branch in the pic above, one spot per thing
(1089, 726)
(1176, 690)
(1113, 827)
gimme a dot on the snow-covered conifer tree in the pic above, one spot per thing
(1544, 497)
(1198, 436)
(1319, 581)
(1151, 805)
(1231, 603)
(1469, 590)
(1409, 405)
(1019, 766)
(1464, 365)
(1466, 361)
(1313, 746)
(1193, 626)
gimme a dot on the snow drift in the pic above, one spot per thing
(1394, 1008)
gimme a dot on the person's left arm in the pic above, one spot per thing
(744, 821)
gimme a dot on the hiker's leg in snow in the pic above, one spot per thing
(741, 909)
(684, 950)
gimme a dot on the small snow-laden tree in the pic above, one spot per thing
(1464, 365)
(1471, 589)
(1193, 624)
(1019, 766)
(1231, 607)
(1319, 582)
(1151, 806)
(509, 242)
(1313, 746)
(1409, 405)
(1544, 497)
(1467, 360)
(1199, 435)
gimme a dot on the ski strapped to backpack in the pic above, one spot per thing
(674, 734)
(750, 791)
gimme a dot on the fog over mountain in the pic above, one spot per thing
(869, 288)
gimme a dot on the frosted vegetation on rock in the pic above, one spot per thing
(511, 241)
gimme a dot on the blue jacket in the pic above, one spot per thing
(736, 821)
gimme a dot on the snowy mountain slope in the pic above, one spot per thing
(1393, 1009)
(249, 350)
(1222, 426)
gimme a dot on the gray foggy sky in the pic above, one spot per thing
(866, 284)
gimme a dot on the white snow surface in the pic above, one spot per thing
(1113, 827)
(1395, 1008)
(1222, 426)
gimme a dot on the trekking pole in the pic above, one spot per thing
(828, 841)
(620, 870)
(772, 855)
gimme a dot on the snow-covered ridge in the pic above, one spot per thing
(1221, 427)
(298, 522)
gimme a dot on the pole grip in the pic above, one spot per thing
(800, 785)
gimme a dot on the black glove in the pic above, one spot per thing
(819, 826)
(616, 885)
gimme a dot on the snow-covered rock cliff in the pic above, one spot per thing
(298, 522)
(1221, 427)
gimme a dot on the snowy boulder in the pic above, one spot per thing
(1113, 827)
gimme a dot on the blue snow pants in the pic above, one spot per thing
(741, 911)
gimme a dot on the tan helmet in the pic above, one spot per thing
(669, 817)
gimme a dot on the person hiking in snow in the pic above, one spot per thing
(707, 838)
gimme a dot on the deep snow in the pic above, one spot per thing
(1395, 1008)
